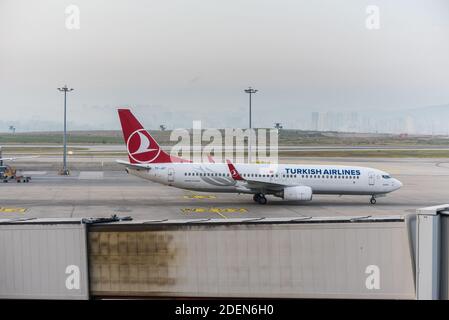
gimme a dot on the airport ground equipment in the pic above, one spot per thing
(9, 173)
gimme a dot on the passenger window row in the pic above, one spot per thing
(326, 177)
(200, 174)
(255, 175)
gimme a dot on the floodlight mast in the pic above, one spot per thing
(250, 91)
(65, 171)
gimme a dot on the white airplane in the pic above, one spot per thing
(15, 158)
(295, 182)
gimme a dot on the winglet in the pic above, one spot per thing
(211, 160)
(234, 173)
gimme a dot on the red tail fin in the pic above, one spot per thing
(141, 146)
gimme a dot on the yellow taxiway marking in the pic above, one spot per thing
(12, 210)
(199, 196)
(222, 215)
(220, 211)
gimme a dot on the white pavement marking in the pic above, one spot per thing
(35, 173)
(91, 175)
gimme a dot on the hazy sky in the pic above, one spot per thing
(175, 61)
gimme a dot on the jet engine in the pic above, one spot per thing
(298, 193)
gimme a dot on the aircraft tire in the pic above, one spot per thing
(262, 200)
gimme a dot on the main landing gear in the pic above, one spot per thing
(372, 200)
(260, 198)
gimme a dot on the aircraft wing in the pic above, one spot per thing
(258, 185)
(254, 184)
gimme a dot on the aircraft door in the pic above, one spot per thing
(171, 175)
(371, 178)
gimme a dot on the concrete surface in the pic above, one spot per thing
(98, 193)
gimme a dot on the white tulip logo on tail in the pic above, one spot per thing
(139, 147)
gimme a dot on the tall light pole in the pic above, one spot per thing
(250, 91)
(64, 89)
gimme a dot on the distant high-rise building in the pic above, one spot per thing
(315, 118)
(322, 121)
(409, 125)
(354, 122)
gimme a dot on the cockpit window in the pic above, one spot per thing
(386, 176)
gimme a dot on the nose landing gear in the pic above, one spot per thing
(260, 198)
(372, 200)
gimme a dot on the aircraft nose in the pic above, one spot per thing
(398, 184)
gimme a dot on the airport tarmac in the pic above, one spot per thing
(103, 193)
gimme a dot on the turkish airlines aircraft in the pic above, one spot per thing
(288, 181)
(15, 158)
